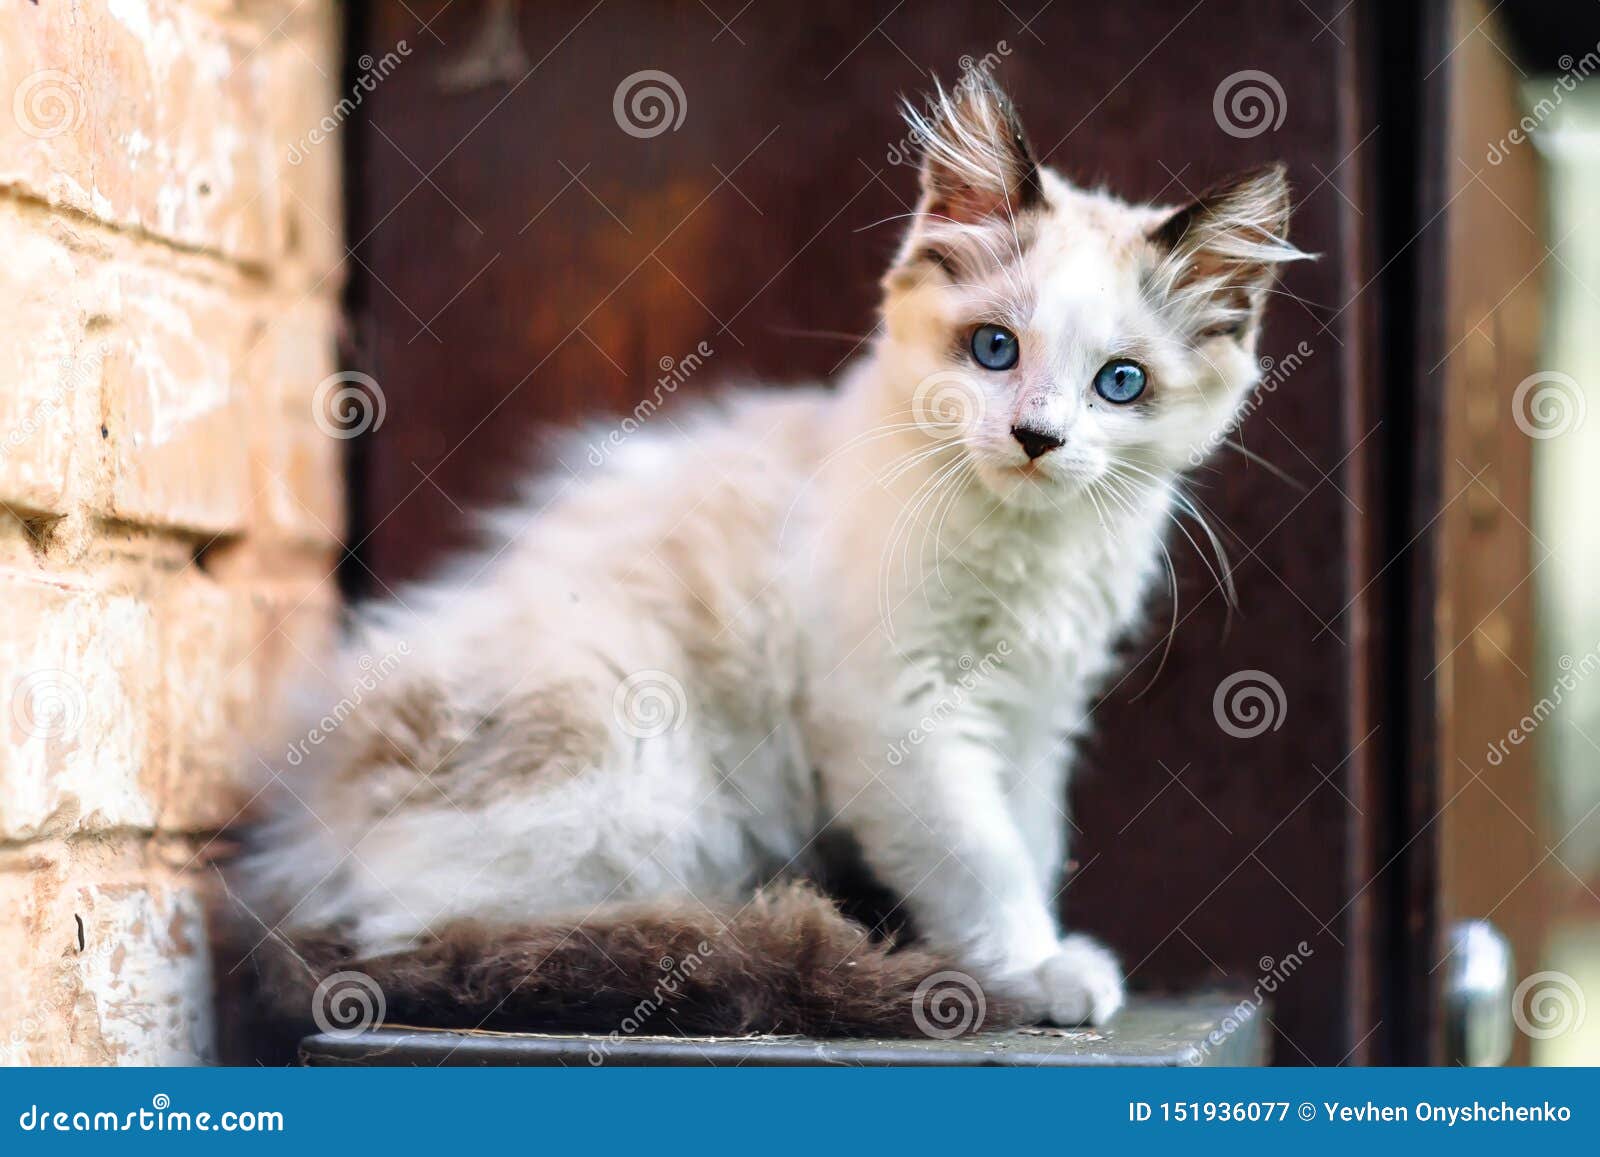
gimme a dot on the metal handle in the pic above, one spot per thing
(1478, 995)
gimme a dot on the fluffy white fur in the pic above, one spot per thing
(861, 607)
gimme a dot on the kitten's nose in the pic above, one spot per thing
(1036, 443)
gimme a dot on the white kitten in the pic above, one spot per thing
(879, 611)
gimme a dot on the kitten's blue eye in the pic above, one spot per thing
(1119, 381)
(994, 347)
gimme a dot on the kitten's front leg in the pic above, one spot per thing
(936, 829)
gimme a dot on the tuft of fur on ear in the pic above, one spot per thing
(1220, 254)
(976, 163)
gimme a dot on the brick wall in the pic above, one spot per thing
(169, 508)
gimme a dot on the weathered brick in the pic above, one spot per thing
(229, 653)
(79, 677)
(297, 463)
(170, 278)
(210, 637)
(174, 385)
(47, 361)
(143, 113)
(101, 967)
(298, 630)
(304, 100)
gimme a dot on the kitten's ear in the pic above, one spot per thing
(1221, 252)
(976, 164)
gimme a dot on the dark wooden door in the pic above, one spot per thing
(519, 259)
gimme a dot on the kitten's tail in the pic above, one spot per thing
(787, 962)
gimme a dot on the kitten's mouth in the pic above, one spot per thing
(1035, 482)
(1006, 479)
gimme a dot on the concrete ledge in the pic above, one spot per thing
(1151, 1031)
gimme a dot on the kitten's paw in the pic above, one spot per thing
(1080, 984)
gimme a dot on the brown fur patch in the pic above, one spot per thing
(787, 962)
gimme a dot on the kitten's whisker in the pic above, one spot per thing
(943, 475)
(1172, 625)
(873, 434)
(1124, 492)
(825, 334)
(953, 484)
(1225, 580)
(858, 440)
(901, 523)
(1118, 476)
(1275, 471)
(957, 489)
(905, 463)
(902, 466)
(1222, 572)
(963, 233)
(1089, 492)
(892, 217)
